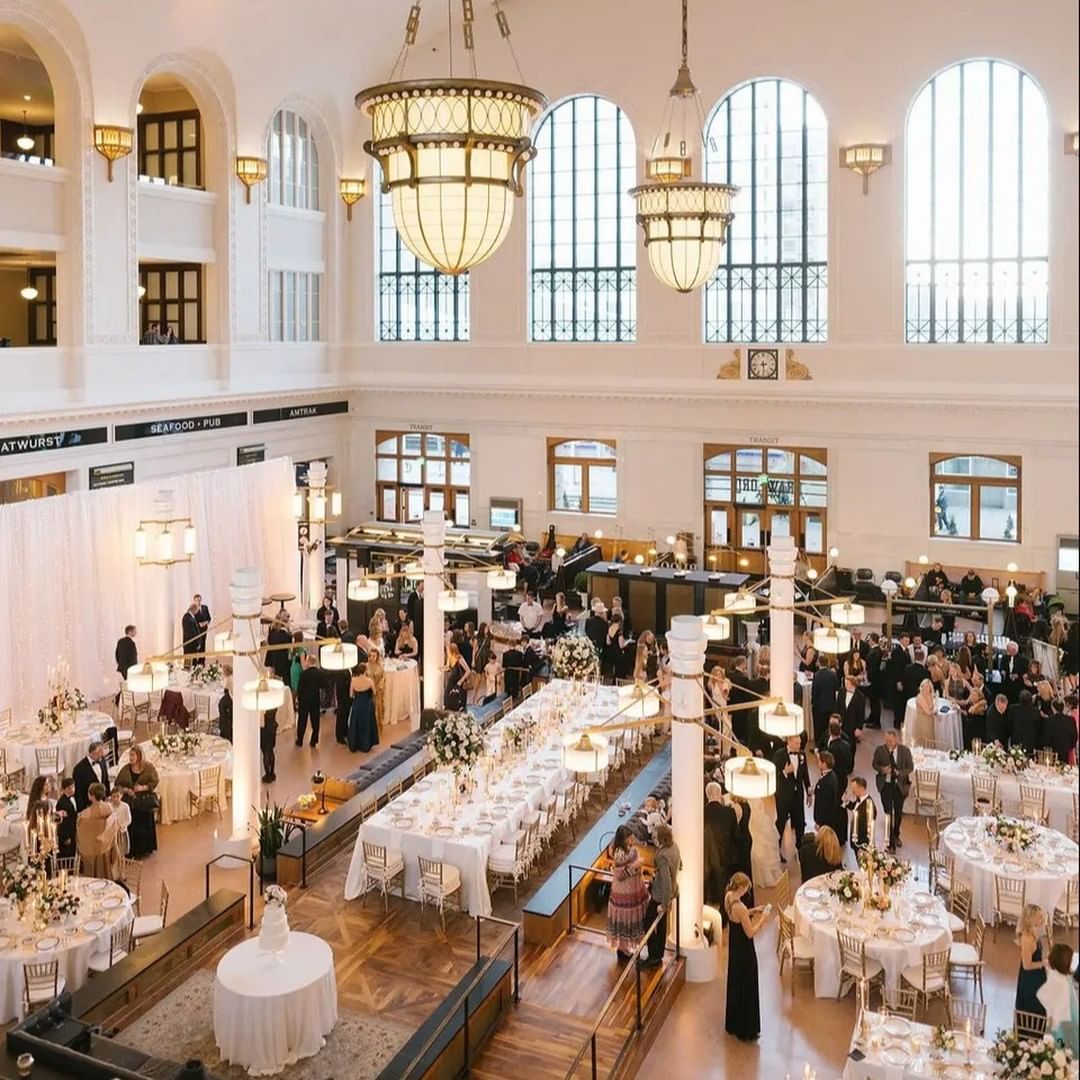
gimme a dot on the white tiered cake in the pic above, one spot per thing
(274, 929)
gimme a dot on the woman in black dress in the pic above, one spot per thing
(457, 671)
(743, 1019)
(744, 844)
(560, 617)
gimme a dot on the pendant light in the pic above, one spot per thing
(685, 220)
(452, 151)
(25, 142)
(28, 291)
(750, 777)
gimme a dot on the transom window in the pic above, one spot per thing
(581, 476)
(415, 301)
(417, 471)
(295, 313)
(977, 207)
(753, 494)
(294, 162)
(583, 233)
(975, 498)
(770, 138)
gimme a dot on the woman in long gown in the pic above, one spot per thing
(136, 777)
(1034, 950)
(743, 1018)
(457, 673)
(765, 844)
(629, 896)
(99, 837)
(925, 722)
(744, 846)
(363, 733)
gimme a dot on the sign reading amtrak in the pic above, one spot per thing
(299, 412)
(52, 440)
(183, 426)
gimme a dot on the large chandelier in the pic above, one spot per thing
(452, 152)
(685, 220)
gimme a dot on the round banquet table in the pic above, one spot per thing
(105, 906)
(179, 775)
(916, 925)
(401, 693)
(20, 742)
(1046, 868)
(13, 817)
(272, 1010)
(948, 726)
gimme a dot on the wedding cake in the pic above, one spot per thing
(274, 929)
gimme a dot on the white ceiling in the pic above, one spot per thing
(21, 72)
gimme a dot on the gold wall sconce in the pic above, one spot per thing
(113, 143)
(251, 171)
(351, 192)
(865, 159)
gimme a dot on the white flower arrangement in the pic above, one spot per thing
(275, 895)
(207, 674)
(51, 719)
(56, 902)
(23, 880)
(457, 741)
(1016, 760)
(306, 801)
(1031, 1059)
(181, 744)
(574, 657)
(1011, 834)
(62, 695)
(847, 889)
(995, 756)
(943, 1039)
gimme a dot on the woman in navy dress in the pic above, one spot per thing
(743, 1019)
(1034, 949)
(363, 733)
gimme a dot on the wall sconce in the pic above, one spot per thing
(865, 159)
(250, 171)
(1072, 143)
(113, 143)
(351, 192)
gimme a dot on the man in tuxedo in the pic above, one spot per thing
(596, 626)
(348, 636)
(859, 644)
(875, 675)
(894, 677)
(1012, 667)
(1025, 723)
(515, 671)
(971, 587)
(843, 752)
(823, 691)
(893, 765)
(759, 741)
(827, 809)
(792, 787)
(278, 659)
(1059, 731)
(914, 674)
(67, 812)
(202, 621)
(309, 701)
(93, 769)
(414, 610)
(127, 655)
(997, 721)
(721, 843)
(189, 633)
(741, 694)
(861, 808)
(852, 709)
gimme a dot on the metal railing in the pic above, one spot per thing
(251, 880)
(589, 1045)
(511, 935)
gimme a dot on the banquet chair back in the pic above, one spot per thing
(935, 744)
(48, 760)
(13, 779)
(507, 865)
(1068, 915)
(131, 878)
(419, 772)
(944, 814)
(1010, 896)
(983, 794)
(382, 871)
(70, 863)
(966, 958)
(440, 884)
(207, 791)
(201, 714)
(1033, 803)
(1046, 757)
(368, 808)
(11, 857)
(960, 906)
(1029, 1025)
(394, 789)
(901, 1002)
(121, 941)
(931, 977)
(856, 967)
(146, 926)
(5, 719)
(41, 982)
(927, 790)
(791, 947)
(942, 871)
(962, 1011)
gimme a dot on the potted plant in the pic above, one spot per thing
(271, 836)
(581, 586)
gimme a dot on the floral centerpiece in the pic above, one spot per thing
(56, 902)
(957, 755)
(943, 1040)
(207, 674)
(995, 756)
(51, 719)
(62, 695)
(456, 741)
(892, 871)
(1011, 834)
(879, 902)
(9, 797)
(306, 801)
(182, 744)
(847, 889)
(1016, 759)
(574, 657)
(23, 880)
(1031, 1059)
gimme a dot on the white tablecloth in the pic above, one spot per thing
(816, 920)
(13, 817)
(913, 1040)
(948, 726)
(435, 829)
(956, 785)
(1046, 868)
(178, 775)
(20, 742)
(270, 1011)
(401, 693)
(105, 906)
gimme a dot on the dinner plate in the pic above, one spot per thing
(1055, 867)
(903, 935)
(812, 892)
(922, 899)
(403, 821)
(926, 920)
(973, 853)
(14, 815)
(484, 827)
(1012, 867)
(858, 933)
(111, 903)
(821, 915)
(444, 832)
(421, 785)
(897, 1025)
(97, 885)
(47, 944)
(500, 812)
(895, 1055)
(93, 926)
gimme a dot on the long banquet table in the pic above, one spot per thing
(425, 821)
(900, 1049)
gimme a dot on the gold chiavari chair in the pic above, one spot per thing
(962, 1011)
(794, 948)
(1010, 896)
(1029, 1025)
(382, 870)
(966, 958)
(41, 983)
(983, 794)
(856, 968)
(930, 978)
(901, 1002)
(440, 885)
(927, 791)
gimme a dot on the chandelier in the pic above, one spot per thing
(156, 541)
(452, 152)
(685, 220)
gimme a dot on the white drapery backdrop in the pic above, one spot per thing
(69, 580)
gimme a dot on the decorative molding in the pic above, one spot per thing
(795, 370)
(733, 368)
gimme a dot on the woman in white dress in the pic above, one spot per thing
(765, 852)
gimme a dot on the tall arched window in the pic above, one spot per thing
(770, 138)
(583, 242)
(294, 162)
(977, 202)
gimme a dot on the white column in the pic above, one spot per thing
(782, 554)
(686, 640)
(316, 556)
(434, 561)
(246, 594)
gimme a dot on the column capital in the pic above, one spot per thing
(782, 555)
(317, 474)
(245, 592)
(686, 642)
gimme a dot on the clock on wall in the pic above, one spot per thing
(763, 363)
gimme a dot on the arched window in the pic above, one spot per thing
(581, 476)
(582, 229)
(294, 162)
(415, 301)
(770, 138)
(977, 202)
(975, 498)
